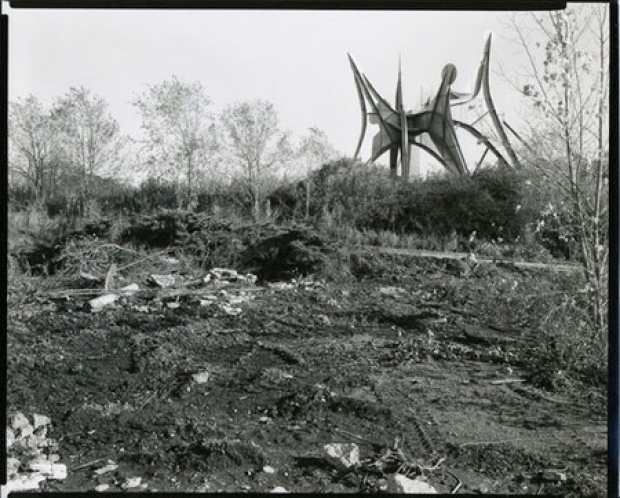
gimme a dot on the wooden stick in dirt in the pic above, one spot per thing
(342, 431)
(481, 443)
(88, 464)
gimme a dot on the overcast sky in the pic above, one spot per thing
(295, 59)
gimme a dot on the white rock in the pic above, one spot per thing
(12, 465)
(200, 377)
(342, 455)
(40, 420)
(268, 469)
(102, 301)
(111, 467)
(399, 484)
(56, 471)
(10, 437)
(19, 420)
(24, 483)
(231, 310)
(30, 443)
(390, 290)
(26, 431)
(553, 475)
(89, 276)
(163, 281)
(279, 489)
(132, 482)
(102, 487)
(264, 420)
(130, 289)
(41, 432)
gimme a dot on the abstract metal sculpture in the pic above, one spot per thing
(400, 130)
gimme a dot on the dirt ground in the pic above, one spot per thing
(421, 355)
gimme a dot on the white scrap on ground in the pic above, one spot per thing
(279, 489)
(342, 455)
(200, 377)
(400, 484)
(132, 482)
(101, 302)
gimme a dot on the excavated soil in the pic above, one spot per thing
(411, 355)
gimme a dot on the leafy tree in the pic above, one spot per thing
(179, 132)
(253, 141)
(566, 81)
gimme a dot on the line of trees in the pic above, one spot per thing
(67, 148)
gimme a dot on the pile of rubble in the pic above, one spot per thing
(31, 456)
(225, 288)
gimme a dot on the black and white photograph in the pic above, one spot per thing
(309, 251)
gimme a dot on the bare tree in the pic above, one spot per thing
(313, 151)
(566, 80)
(253, 140)
(88, 135)
(34, 150)
(179, 131)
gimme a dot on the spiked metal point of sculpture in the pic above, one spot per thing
(400, 130)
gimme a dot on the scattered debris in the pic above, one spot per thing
(399, 484)
(24, 483)
(101, 302)
(29, 451)
(342, 455)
